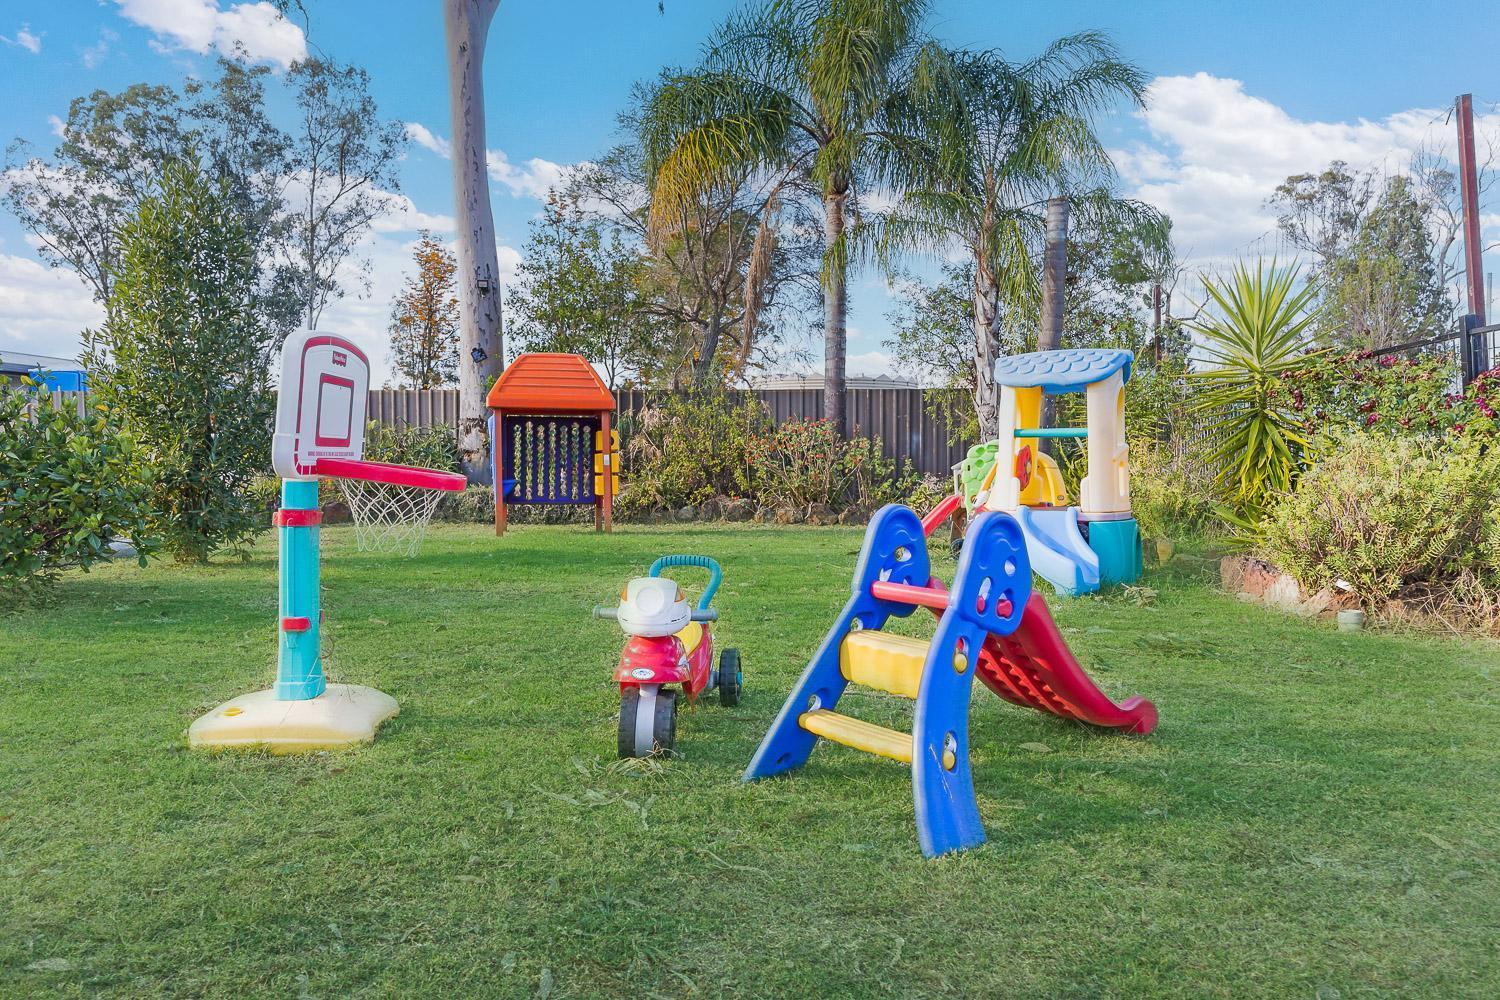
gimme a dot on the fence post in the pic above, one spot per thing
(1470, 344)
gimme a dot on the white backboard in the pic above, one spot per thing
(320, 409)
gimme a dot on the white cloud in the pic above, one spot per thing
(1219, 152)
(366, 319)
(532, 179)
(93, 56)
(422, 136)
(55, 125)
(203, 25)
(403, 216)
(43, 310)
(24, 39)
(869, 363)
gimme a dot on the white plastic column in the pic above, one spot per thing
(1106, 488)
(1005, 492)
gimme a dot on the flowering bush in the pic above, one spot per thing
(1403, 396)
(688, 448)
(804, 462)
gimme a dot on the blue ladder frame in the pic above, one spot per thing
(993, 566)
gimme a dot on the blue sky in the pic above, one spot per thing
(1244, 94)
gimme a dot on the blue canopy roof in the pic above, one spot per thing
(1062, 371)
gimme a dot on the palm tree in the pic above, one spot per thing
(976, 146)
(1257, 331)
(793, 86)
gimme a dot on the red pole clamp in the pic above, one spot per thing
(296, 518)
(295, 624)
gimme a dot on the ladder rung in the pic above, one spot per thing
(862, 735)
(886, 662)
(857, 733)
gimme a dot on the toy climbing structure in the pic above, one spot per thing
(990, 625)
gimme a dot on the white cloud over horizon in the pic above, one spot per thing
(202, 26)
(1215, 153)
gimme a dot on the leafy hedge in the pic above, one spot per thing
(68, 485)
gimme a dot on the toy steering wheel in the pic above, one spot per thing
(1023, 466)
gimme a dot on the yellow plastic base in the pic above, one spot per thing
(342, 715)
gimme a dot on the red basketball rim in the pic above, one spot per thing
(385, 472)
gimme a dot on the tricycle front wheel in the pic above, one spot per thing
(648, 721)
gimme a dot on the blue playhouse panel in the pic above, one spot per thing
(1062, 371)
(540, 467)
(1117, 544)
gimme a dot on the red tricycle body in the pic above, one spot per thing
(668, 644)
(667, 659)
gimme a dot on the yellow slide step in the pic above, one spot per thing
(862, 735)
(886, 662)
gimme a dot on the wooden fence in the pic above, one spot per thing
(899, 417)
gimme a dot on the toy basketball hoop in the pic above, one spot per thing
(320, 433)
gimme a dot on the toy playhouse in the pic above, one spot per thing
(1077, 548)
(550, 437)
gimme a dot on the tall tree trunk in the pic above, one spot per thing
(481, 350)
(1054, 280)
(710, 347)
(986, 350)
(835, 311)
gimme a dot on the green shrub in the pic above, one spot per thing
(688, 448)
(1172, 495)
(424, 447)
(1340, 392)
(1385, 515)
(68, 484)
(183, 359)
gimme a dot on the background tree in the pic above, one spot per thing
(307, 199)
(791, 85)
(481, 347)
(425, 318)
(976, 146)
(344, 162)
(183, 360)
(578, 291)
(1379, 247)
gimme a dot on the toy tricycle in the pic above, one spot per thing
(668, 645)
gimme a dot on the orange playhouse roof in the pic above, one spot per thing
(550, 383)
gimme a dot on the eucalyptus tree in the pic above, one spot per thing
(975, 146)
(792, 87)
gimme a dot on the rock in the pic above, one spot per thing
(738, 509)
(119, 548)
(850, 516)
(821, 513)
(759, 517)
(711, 509)
(688, 513)
(788, 515)
(1258, 582)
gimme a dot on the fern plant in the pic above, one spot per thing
(1256, 332)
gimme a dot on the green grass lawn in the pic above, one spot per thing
(1318, 814)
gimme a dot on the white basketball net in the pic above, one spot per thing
(389, 518)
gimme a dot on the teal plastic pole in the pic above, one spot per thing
(1052, 432)
(299, 667)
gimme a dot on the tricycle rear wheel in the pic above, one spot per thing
(731, 678)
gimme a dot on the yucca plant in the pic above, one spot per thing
(1256, 331)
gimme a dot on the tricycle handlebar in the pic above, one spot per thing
(602, 612)
(704, 615)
